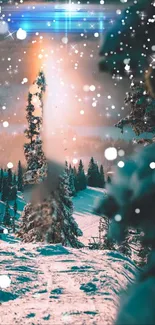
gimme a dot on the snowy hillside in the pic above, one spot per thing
(54, 285)
(83, 212)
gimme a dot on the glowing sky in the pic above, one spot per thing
(77, 94)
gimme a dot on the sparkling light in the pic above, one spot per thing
(121, 153)
(110, 153)
(10, 165)
(118, 217)
(152, 165)
(21, 34)
(5, 124)
(137, 210)
(121, 164)
(82, 112)
(96, 34)
(5, 281)
(92, 88)
(64, 40)
(75, 161)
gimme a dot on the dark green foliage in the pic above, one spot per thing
(14, 217)
(75, 178)
(32, 128)
(12, 193)
(108, 179)
(41, 81)
(102, 177)
(93, 176)
(7, 217)
(20, 177)
(1, 179)
(72, 181)
(5, 189)
(14, 180)
(81, 177)
(69, 227)
(9, 177)
(142, 110)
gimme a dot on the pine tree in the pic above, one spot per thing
(5, 189)
(72, 181)
(20, 177)
(52, 220)
(14, 216)
(93, 176)
(81, 177)
(7, 217)
(69, 230)
(36, 161)
(1, 178)
(9, 177)
(102, 177)
(14, 180)
(75, 179)
(108, 179)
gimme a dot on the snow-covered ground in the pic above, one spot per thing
(84, 205)
(54, 285)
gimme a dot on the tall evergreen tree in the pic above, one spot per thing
(32, 129)
(1, 179)
(102, 177)
(5, 189)
(52, 220)
(14, 216)
(75, 178)
(93, 176)
(7, 217)
(14, 180)
(81, 177)
(20, 177)
(9, 177)
(72, 181)
(36, 161)
(108, 179)
(69, 230)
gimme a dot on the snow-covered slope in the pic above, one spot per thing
(84, 205)
(54, 285)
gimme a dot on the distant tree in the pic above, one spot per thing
(12, 193)
(75, 178)
(108, 179)
(70, 230)
(7, 217)
(14, 216)
(93, 176)
(81, 177)
(9, 177)
(14, 179)
(20, 177)
(5, 189)
(1, 178)
(72, 181)
(102, 177)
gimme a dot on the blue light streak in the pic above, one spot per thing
(50, 19)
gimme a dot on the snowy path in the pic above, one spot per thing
(53, 285)
(84, 204)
